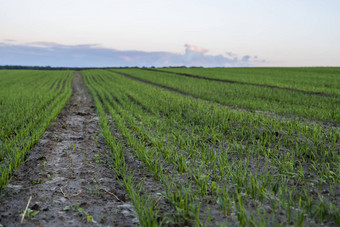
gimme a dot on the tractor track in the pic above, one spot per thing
(67, 175)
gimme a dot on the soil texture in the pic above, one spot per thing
(67, 175)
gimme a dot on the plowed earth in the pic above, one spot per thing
(67, 176)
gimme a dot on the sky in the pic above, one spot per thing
(170, 32)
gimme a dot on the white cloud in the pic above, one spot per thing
(91, 55)
(195, 48)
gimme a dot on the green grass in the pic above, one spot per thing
(29, 101)
(219, 153)
(250, 97)
(309, 79)
(246, 167)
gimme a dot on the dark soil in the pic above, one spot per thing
(67, 175)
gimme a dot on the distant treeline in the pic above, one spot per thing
(46, 67)
(70, 68)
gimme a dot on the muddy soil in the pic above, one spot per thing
(67, 175)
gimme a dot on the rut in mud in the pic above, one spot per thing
(67, 176)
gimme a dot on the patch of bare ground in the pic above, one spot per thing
(67, 175)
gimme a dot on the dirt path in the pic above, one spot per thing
(66, 175)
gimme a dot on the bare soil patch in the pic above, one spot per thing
(67, 175)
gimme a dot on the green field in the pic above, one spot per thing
(321, 107)
(29, 101)
(324, 80)
(216, 146)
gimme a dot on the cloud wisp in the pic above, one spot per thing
(92, 55)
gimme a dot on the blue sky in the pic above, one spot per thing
(266, 33)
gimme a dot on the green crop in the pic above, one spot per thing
(29, 101)
(259, 149)
(284, 102)
(248, 167)
(323, 80)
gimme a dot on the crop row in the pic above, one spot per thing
(29, 101)
(322, 80)
(278, 101)
(242, 167)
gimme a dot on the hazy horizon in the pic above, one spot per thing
(165, 33)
